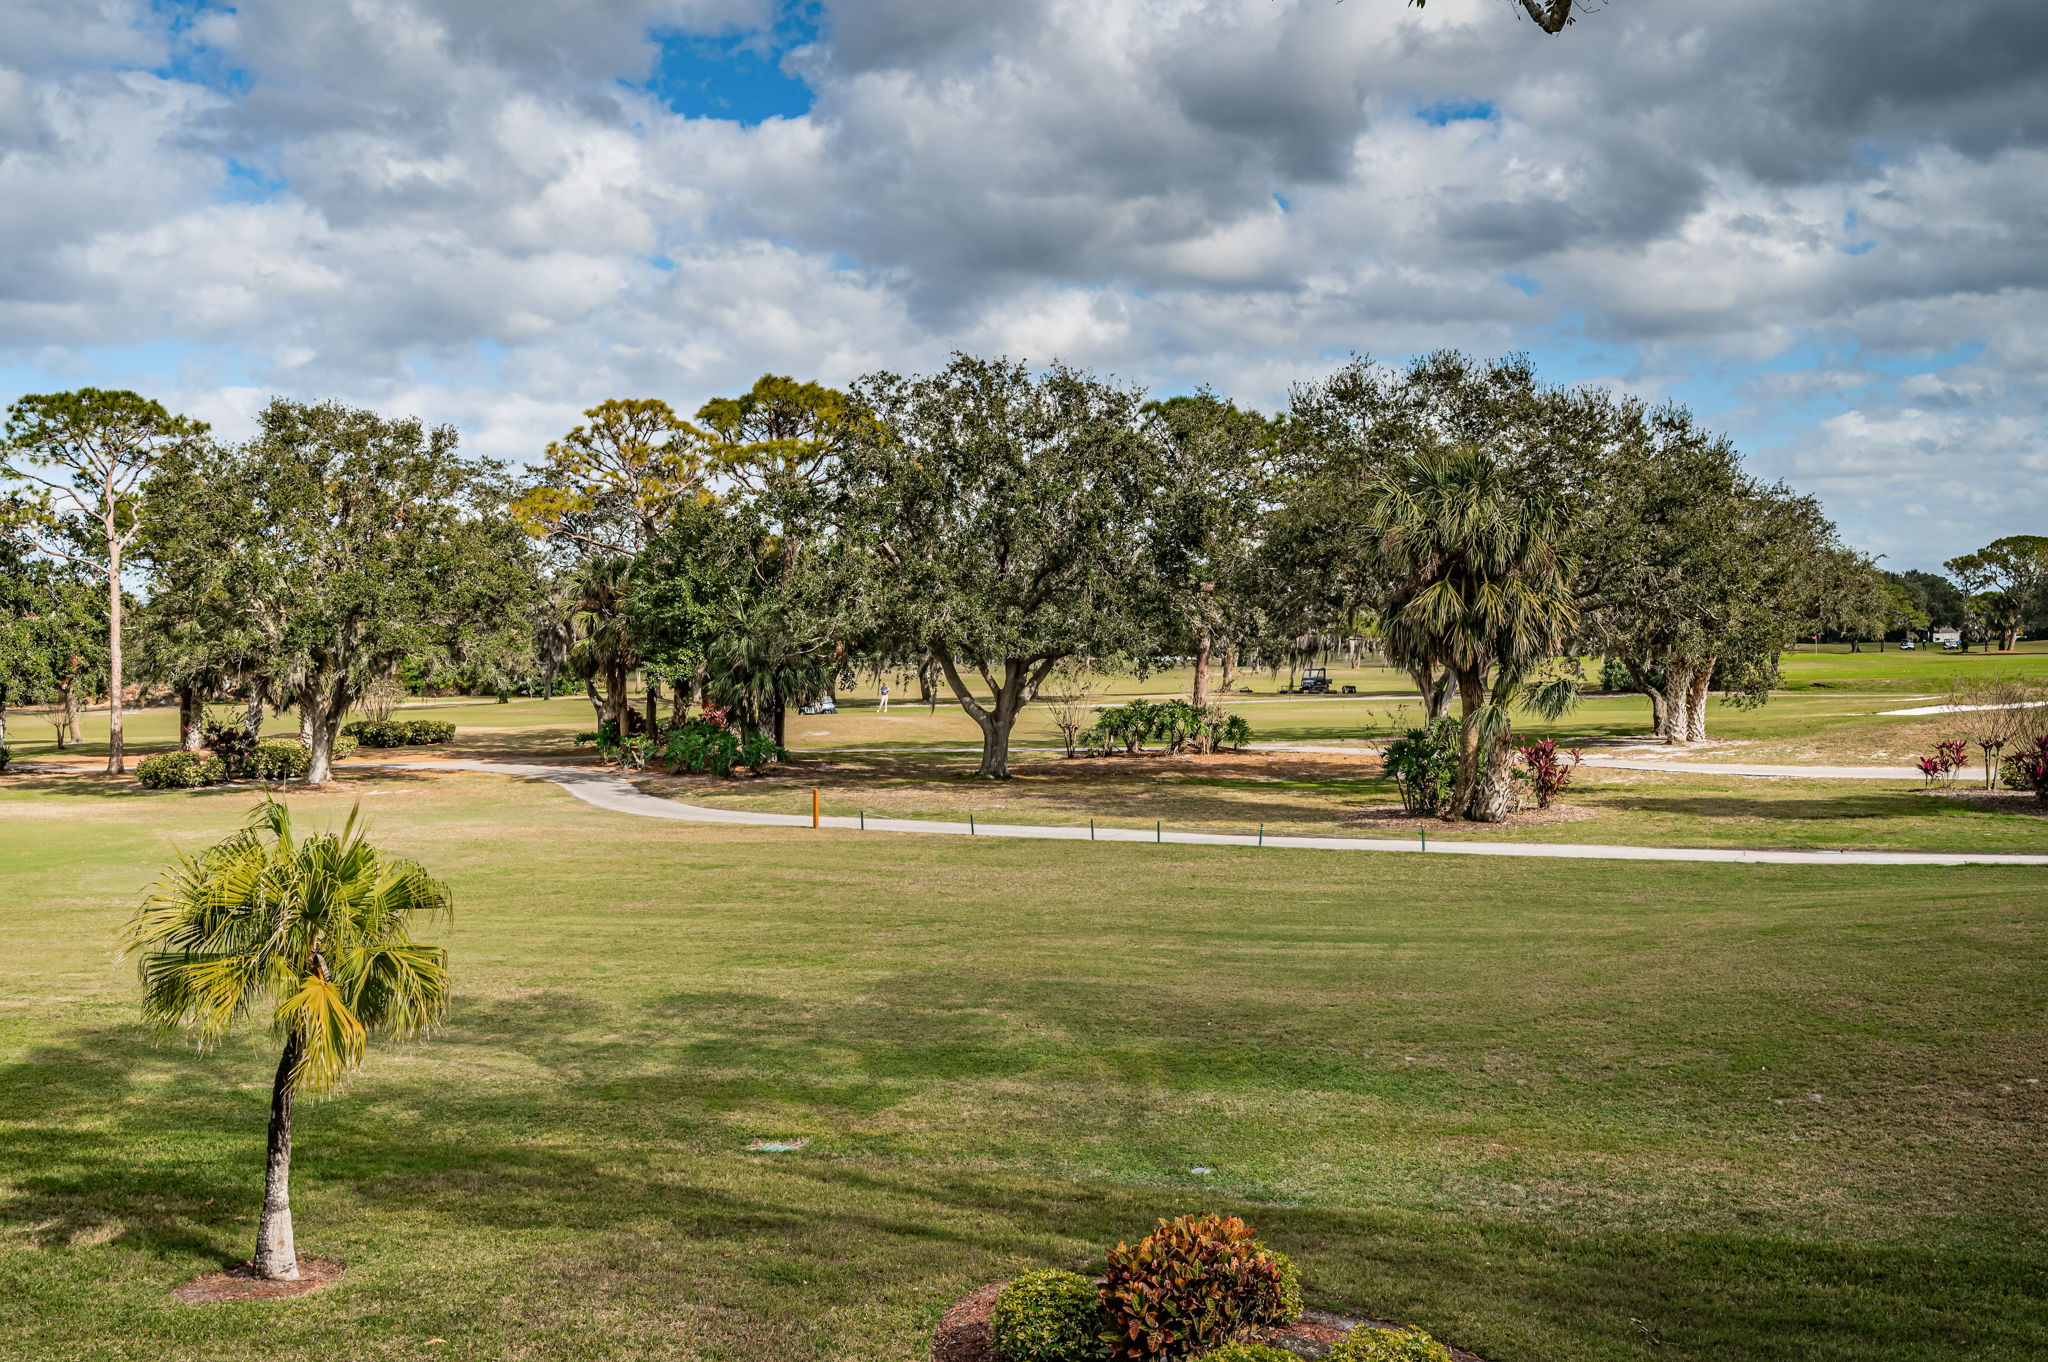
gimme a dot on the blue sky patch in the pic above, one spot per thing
(737, 76)
(1457, 111)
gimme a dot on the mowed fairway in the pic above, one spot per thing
(1549, 1111)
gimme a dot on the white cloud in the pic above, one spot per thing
(468, 208)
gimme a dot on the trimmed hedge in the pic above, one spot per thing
(399, 732)
(1049, 1316)
(179, 770)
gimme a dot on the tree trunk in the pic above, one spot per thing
(116, 763)
(277, 1257)
(189, 715)
(596, 703)
(653, 715)
(317, 721)
(1229, 665)
(779, 725)
(1471, 699)
(1021, 679)
(3, 714)
(1200, 695)
(67, 720)
(252, 713)
(1677, 702)
(1496, 785)
(1696, 711)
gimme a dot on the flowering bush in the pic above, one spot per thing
(1947, 760)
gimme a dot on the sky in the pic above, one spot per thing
(1822, 225)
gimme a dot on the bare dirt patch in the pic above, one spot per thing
(240, 1283)
(1381, 815)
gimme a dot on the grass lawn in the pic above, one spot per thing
(1314, 794)
(1550, 1111)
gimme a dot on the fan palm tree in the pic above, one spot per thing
(765, 662)
(316, 931)
(1477, 591)
(603, 646)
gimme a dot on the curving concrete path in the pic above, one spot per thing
(614, 793)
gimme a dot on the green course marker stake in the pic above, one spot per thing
(1091, 829)
(863, 820)
(1159, 831)
(1262, 834)
(1425, 835)
(970, 822)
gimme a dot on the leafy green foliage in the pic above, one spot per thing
(1195, 1282)
(704, 744)
(1180, 724)
(1423, 762)
(5, 756)
(399, 732)
(1049, 1316)
(180, 770)
(1248, 1352)
(1369, 1343)
(276, 759)
(233, 744)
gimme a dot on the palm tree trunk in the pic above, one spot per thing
(1471, 699)
(189, 711)
(277, 1257)
(252, 713)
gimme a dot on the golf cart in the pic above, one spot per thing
(1315, 681)
(822, 705)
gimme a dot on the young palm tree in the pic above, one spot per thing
(318, 932)
(1479, 592)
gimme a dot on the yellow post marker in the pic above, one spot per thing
(814, 806)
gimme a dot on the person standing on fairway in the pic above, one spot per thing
(883, 708)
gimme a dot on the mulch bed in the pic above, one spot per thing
(1380, 814)
(963, 1335)
(2005, 801)
(240, 1283)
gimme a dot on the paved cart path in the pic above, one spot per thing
(614, 793)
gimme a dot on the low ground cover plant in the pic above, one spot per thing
(1248, 1352)
(1370, 1343)
(2024, 770)
(1050, 1316)
(399, 732)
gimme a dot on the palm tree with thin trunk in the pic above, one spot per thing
(1478, 592)
(315, 931)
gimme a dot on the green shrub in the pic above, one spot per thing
(700, 744)
(180, 770)
(1193, 1283)
(1369, 1343)
(1049, 1316)
(343, 746)
(1248, 1352)
(399, 732)
(5, 756)
(1424, 763)
(279, 759)
(1291, 1302)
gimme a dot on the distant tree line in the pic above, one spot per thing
(981, 529)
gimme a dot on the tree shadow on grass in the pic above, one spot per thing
(618, 1154)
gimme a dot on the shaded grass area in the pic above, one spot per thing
(1549, 1111)
(1291, 793)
